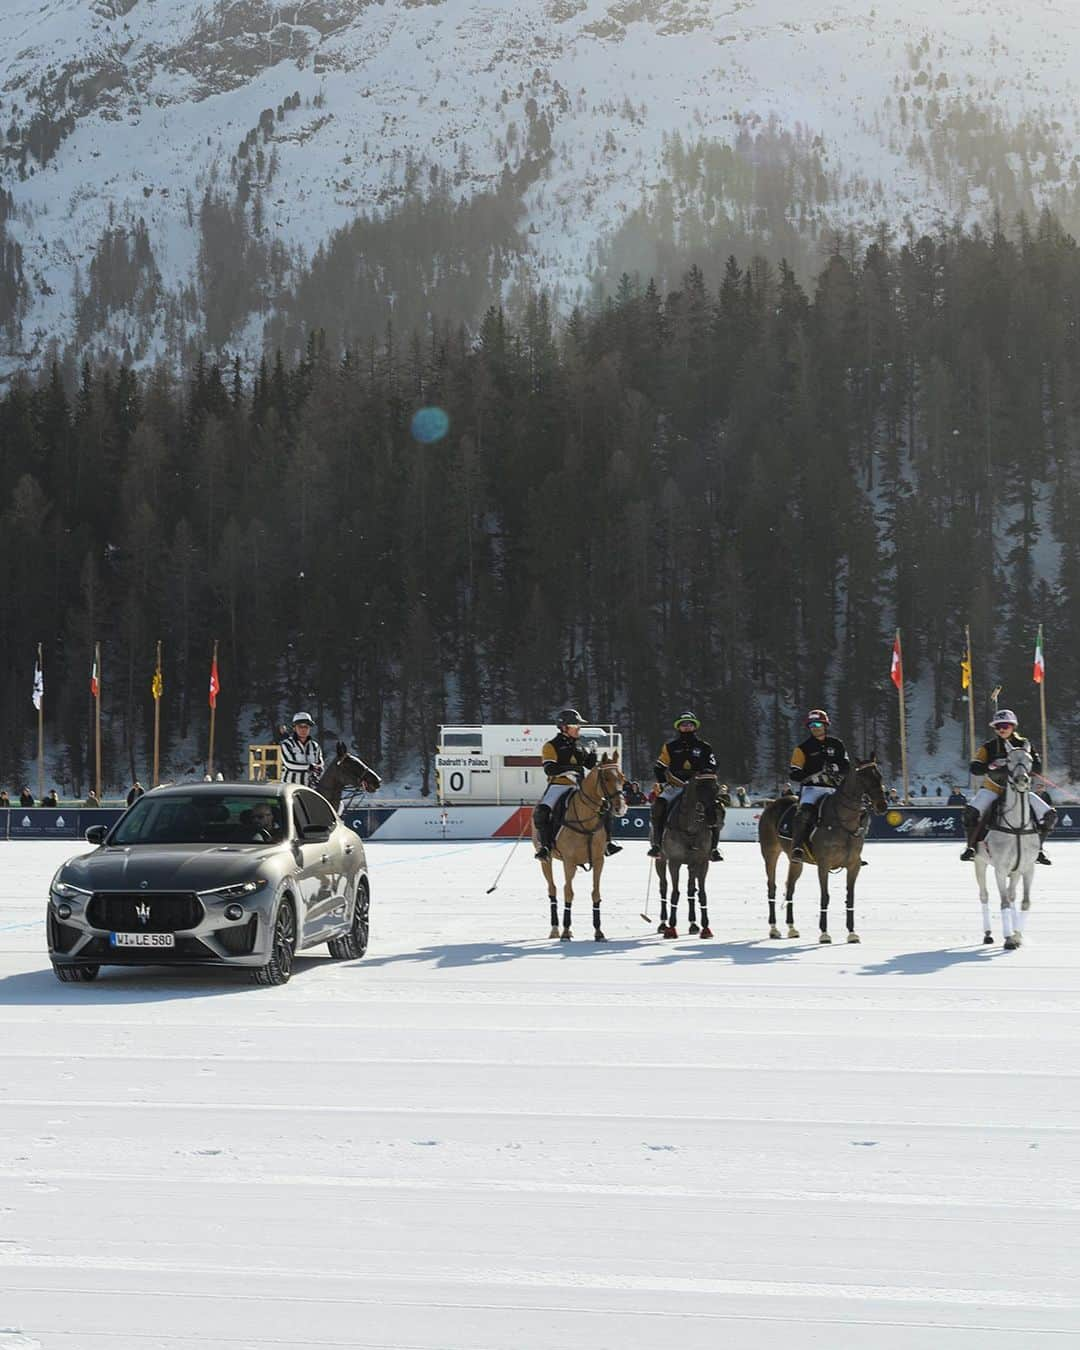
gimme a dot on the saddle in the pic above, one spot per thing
(785, 826)
(558, 812)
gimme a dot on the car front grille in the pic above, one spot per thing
(144, 911)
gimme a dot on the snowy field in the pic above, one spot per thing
(478, 1138)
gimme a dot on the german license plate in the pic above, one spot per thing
(143, 939)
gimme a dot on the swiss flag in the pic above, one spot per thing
(896, 674)
(215, 687)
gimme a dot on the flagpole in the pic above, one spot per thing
(97, 723)
(903, 722)
(157, 716)
(213, 713)
(1042, 705)
(41, 730)
(970, 702)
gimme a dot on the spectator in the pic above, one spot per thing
(956, 798)
(724, 795)
(5, 800)
(135, 792)
(50, 798)
(894, 797)
(941, 789)
(92, 799)
(26, 797)
(922, 790)
(741, 795)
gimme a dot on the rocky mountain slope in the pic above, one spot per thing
(170, 169)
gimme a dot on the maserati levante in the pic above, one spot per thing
(243, 874)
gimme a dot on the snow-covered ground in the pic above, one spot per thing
(477, 1138)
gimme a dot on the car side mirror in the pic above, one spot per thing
(315, 834)
(96, 834)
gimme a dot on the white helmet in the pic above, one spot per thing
(303, 717)
(1004, 717)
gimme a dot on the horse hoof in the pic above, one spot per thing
(670, 932)
(706, 932)
(554, 932)
(598, 936)
(1011, 943)
(1025, 904)
(774, 932)
(693, 929)
(793, 932)
(824, 938)
(661, 928)
(854, 937)
(565, 935)
(988, 938)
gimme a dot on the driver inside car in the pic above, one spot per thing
(261, 818)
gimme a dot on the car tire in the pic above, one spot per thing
(283, 948)
(75, 974)
(354, 943)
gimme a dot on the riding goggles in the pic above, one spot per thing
(817, 722)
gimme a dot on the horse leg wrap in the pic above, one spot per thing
(554, 913)
(566, 916)
(596, 916)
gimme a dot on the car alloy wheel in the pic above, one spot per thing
(279, 968)
(354, 943)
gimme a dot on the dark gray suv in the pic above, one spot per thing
(239, 874)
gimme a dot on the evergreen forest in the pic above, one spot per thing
(725, 494)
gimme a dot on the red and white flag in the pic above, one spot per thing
(95, 681)
(215, 687)
(1038, 670)
(896, 674)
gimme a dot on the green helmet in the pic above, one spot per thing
(687, 717)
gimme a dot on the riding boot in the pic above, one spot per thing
(800, 831)
(1045, 826)
(656, 826)
(715, 855)
(972, 824)
(612, 848)
(542, 821)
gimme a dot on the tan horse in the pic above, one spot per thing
(582, 839)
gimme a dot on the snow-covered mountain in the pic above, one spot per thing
(615, 122)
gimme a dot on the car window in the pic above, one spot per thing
(319, 812)
(299, 816)
(199, 818)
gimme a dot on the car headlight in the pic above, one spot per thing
(64, 890)
(237, 891)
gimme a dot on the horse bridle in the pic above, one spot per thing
(603, 806)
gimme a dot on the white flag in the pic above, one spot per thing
(39, 685)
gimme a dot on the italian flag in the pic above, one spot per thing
(1038, 670)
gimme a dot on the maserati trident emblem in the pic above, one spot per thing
(143, 885)
(143, 911)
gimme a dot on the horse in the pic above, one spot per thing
(837, 843)
(1010, 848)
(345, 770)
(687, 842)
(582, 839)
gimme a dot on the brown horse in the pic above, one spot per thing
(582, 839)
(837, 843)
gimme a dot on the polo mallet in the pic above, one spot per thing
(648, 887)
(525, 825)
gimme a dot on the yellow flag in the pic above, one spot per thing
(965, 672)
(156, 685)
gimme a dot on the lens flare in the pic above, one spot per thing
(429, 425)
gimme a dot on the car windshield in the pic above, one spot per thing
(200, 818)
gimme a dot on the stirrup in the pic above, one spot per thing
(716, 856)
(543, 853)
(968, 853)
(1042, 858)
(797, 854)
(612, 849)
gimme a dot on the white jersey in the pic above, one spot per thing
(301, 762)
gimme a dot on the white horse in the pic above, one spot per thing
(1010, 848)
